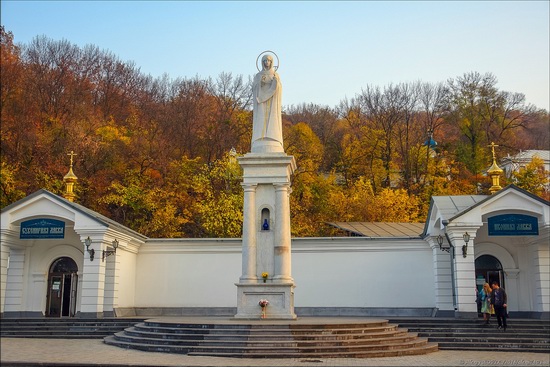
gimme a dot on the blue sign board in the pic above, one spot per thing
(513, 225)
(42, 228)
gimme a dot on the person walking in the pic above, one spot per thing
(485, 298)
(499, 300)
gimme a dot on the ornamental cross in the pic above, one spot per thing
(72, 154)
(493, 145)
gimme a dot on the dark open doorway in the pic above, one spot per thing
(62, 285)
(488, 269)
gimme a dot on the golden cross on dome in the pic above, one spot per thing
(72, 154)
(493, 145)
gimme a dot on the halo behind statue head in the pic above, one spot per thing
(268, 52)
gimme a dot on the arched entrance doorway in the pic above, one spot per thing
(488, 269)
(62, 283)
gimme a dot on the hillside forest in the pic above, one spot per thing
(159, 155)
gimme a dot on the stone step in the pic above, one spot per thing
(229, 339)
(259, 329)
(475, 326)
(457, 323)
(481, 339)
(428, 348)
(418, 346)
(59, 336)
(466, 334)
(497, 334)
(63, 328)
(264, 335)
(66, 335)
(495, 345)
(69, 320)
(279, 339)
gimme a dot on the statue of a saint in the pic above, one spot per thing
(267, 130)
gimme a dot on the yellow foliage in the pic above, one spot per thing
(394, 206)
(113, 132)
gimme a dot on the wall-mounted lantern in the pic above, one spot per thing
(88, 242)
(107, 253)
(440, 243)
(466, 238)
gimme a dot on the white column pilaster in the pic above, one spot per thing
(465, 272)
(282, 255)
(442, 276)
(110, 302)
(4, 260)
(93, 280)
(541, 276)
(15, 282)
(249, 235)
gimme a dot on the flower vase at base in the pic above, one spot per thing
(263, 304)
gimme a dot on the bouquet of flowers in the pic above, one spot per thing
(265, 274)
(263, 304)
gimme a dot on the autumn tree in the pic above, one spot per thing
(220, 208)
(432, 117)
(361, 146)
(156, 150)
(470, 95)
(533, 178)
(324, 122)
(232, 126)
(8, 185)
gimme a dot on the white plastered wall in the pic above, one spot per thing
(356, 272)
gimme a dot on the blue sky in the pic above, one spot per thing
(328, 50)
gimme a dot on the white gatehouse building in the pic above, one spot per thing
(60, 259)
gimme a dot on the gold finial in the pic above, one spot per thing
(70, 179)
(72, 154)
(494, 171)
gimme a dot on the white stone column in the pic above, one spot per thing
(112, 265)
(93, 280)
(249, 235)
(465, 272)
(4, 256)
(282, 255)
(540, 261)
(14, 301)
(443, 287)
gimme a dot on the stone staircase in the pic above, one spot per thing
(522, 335)
(63, 328)
(337, 338)
(264, 339)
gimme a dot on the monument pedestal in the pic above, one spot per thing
(279, 295)
(266, 237)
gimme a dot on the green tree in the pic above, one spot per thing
(220, 208)
(139, 204)
(310, 205)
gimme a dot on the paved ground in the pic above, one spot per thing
(93, 352)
